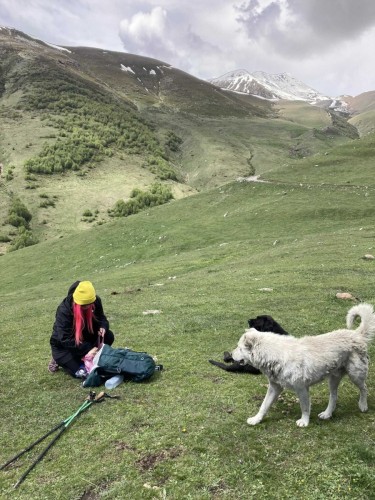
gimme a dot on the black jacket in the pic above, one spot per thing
(62, 339)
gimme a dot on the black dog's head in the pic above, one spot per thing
(266, 323)
(262, 323)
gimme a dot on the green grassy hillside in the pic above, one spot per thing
(81, 128)
(207, 262)
(349, 164)
(363, 110)
(364, 122)
(303, 113)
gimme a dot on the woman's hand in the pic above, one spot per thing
(92, 351)
(101, 334)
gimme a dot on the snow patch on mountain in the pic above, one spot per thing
(127, 69)
(57, 47)
(30, 40)
(273, 87)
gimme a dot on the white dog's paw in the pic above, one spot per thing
(302, 423)
(363, 407)
(254, 420)
(325, 415)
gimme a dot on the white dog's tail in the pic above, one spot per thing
(366, 313)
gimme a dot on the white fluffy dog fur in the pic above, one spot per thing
(297, 363)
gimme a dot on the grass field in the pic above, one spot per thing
(303, 113)
(347, 164)
(207, 263)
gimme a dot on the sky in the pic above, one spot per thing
(327, 44)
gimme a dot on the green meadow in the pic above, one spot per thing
(207, 263)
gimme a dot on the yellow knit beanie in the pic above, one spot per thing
(84, 294)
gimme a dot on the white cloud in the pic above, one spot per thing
(169, 36)
(144, 27)
(305, 27)
(68, 22)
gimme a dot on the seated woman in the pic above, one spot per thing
(80, 326)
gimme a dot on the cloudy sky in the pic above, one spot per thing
(328, 44)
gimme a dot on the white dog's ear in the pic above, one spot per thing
(248, 340)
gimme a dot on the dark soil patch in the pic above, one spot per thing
(149, 461)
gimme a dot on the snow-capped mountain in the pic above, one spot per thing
(274, 87)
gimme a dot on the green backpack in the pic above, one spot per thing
(135, 366)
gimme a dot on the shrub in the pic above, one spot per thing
(135, 192)
(90, 123)
(16, 221)
(20, 209)
(139, 200)
(30, 177)
(161, 168)
(47, 203)
(173, 141)
(23, 239)
(18, 214)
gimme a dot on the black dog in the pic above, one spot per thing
(262, 323)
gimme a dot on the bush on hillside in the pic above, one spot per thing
(16, 221)
(23, 239)
(18, 214)
(140, 200)
(91, 125)
(30, 178)
(47, 203)
(161, 168)
(173, 141)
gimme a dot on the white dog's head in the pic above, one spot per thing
(242, 353)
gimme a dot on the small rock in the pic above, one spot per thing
(368, 256)
(345, 296)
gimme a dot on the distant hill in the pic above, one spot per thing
(279, 86)
(149, 82)
(83, 127)
(362, 110)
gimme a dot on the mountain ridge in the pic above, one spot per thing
(275, 87)
(258, 84)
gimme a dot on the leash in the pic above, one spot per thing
(90, 400)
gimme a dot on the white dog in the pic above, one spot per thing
(297, 363)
